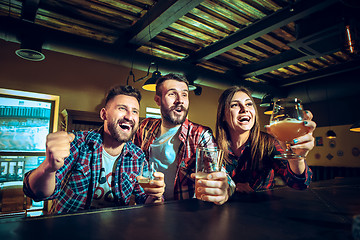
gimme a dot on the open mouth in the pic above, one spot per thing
(125, 126)
(244, 119)
(179, 109)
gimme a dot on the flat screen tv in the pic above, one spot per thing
(25, 120)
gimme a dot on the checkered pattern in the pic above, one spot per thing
(191, 136)
(77, 180)
(264, 178)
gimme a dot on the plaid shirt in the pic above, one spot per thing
(77, 180)
(191, 136)
(264, 178)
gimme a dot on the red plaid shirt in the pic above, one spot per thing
(264, 178)
(191, 136)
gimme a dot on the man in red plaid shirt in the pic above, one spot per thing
(171, 142)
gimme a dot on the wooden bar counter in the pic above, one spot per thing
(324, 211)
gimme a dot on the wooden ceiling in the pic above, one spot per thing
(268, 45)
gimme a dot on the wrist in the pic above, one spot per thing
(300, 160)
(46, 168)
(154, 199)
(297, 166)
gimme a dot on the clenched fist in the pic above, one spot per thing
(57, 149)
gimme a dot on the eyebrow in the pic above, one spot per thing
(124, 105)
(246, 100)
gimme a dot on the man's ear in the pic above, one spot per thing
(103, 114)
(157, 100)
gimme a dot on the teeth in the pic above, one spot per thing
(125, 126)
(244, 119)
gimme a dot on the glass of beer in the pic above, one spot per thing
(286, 124)
(146, 174)
(208, 160)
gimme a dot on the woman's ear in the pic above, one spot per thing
(103, 114)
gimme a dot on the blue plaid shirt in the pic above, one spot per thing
(77, 180)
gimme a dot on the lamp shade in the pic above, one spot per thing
(30, 54)
(30, 49)
(191, 85)
(266, 101)
(150, 84)
(355, 127)
(330, 134)
(269, 110)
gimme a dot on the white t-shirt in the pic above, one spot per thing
(163, 152)
(104, 192)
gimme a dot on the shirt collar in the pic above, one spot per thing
(246, 145)
(95, 138)
(184, 130)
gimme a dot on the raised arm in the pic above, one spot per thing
(301, 145)
(42, 179)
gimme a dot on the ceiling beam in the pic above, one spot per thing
(158, 18)
(75, 45)
(322, 73)
(272, 22)
(281, 60)
(315, 45)
(272, 63)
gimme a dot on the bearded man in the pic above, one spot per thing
(171, 143)
(97, 168)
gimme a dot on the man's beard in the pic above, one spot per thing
(117, 134)
(169, 116)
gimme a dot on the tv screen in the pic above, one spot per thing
(24, 124)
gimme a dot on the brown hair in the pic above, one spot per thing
(170, 76)
(123, 90)
(261, 144)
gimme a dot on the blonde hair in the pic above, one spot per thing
(261, 143)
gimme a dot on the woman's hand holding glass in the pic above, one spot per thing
(297, 140)
(303, 144)
(152, 182)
